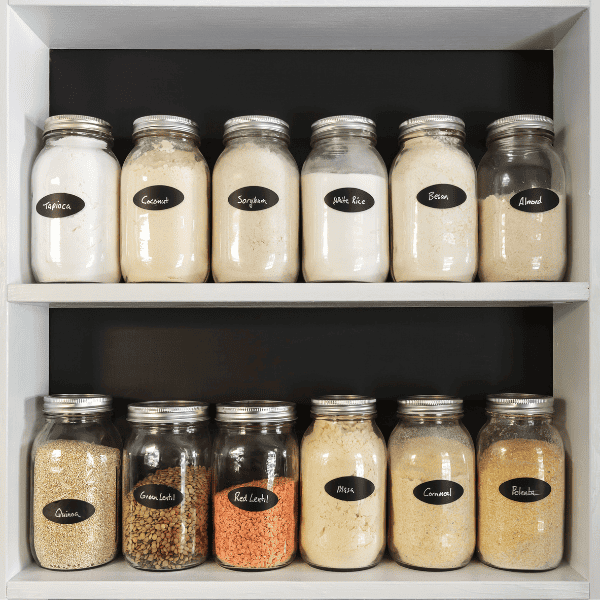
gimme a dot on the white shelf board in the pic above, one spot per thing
(387, 580)
(297, 294)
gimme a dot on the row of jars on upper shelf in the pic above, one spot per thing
(435, 218)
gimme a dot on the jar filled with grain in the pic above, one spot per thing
(432, 485)
(433, 203)
(166, 485)
(256, 203)
(255, 485)
(343, 474)
(75, 484)
(521, 484)
(522, 202)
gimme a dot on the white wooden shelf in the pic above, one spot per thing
(387, 580)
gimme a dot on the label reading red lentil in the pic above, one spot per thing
(535, 200)
(253, 197)
(68, 511)
(57, 206)
(350, 489)
(253, 499)
(525, 489)
(158, 197)
(159, 496)
(442, 195)
(349, 200)
(438, 491)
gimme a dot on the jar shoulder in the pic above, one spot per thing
(256, 156)
(96, 433)
(152, 156)
(440, 156)
(354, 160)
(53, 158)
(509, 438)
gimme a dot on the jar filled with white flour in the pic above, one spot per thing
(344, 203)
(342, 477)
(522, 202)
(256, 203)
(164, 203)
(434, 203)
(75, 208)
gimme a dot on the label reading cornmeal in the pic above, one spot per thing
(535, 200)
(68, 511)
(349, 200)
(158, 197)
(350, 489)
(253, 197)
(154, 495)
(442, 195)
(57, 206)
(525, 489)
(438, 491)
(253, 499)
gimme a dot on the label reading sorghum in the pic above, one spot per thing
(525, 489)
(350, 489)
(349, 200)
(57, 206)
(254, 499)
(68, 511)
(535, 200)
(158, 496)
(253, 197)
(442, 195)
(438, 491)
(158, 197)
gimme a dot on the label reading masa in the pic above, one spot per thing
(349, 200)
(253, 197)
(535, 200)
(439, 491)
(442, 195)
(158, 197)
(57, 206)
(253, 499)
(525, 489)
(154, 495)
(68, 511)
(350, 489)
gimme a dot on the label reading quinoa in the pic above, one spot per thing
(158, 197)
(439, 491)
(535, 200)
(442, 195)
(154, 495)
(525, 489)
(349, 200)
(57, 206)
(350, 489)
(253, 197)
(68, 511)
(253, 499)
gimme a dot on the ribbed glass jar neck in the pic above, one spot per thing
(344, 417)
(344, 139)
(521, 139)
(75, 139)
(520, 419)
(166, 427)
(79, 419)
(425, 137)
(262, 135)
(255, 428)
(158, 135)
(431, 420)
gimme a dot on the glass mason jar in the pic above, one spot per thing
(343, 470)
(75, 203)
(522, 203)
(433, 203)
(521, 484)
(165, 203)
(166, 485)
(256, 203)
(345, 223)
(432, 485)
(75, 484)
(255, 485)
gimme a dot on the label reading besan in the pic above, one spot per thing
(441, 196)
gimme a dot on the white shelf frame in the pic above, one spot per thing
(29, 28)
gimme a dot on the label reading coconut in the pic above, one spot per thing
(350, 489)
(155, 495)
(439, 491)
(525, 489)
(535, 200)
(349, 200)
(253, 499)
(253, 197)
(442, 195)
(57, 206)
(158, 197)
(68, 511)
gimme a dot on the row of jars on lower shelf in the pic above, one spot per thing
(254, 476)
(433, 219)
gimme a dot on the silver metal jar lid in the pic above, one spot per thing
(239, 125)
(419, 125)
(343, 124)
(515, 123)
(146, 125)
(168, 411)
(525, 404)
(339, 405)
(256, 411)
(77, 404)
(78, 124)
(429, 406)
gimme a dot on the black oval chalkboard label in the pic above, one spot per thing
(68, 511)
(253, 197)
(439, 491)
(158, 197)
(350, 489)
(154, 495)
(349, 200)
(525, 489)
(535, 200)
(253, 499)
(57, 206)
(442, 195)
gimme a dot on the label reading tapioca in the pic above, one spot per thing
(154, 495)
(58, 206)
(350, 489)
(68, 511)
(349, 200)
(439, 491)
(525, 489)
(442, 195)
(253, 499)
(158, 197)
(253, 197)
(535, 200)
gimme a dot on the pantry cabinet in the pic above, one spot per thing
(29, 330)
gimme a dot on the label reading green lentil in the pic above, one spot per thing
(154, 495)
